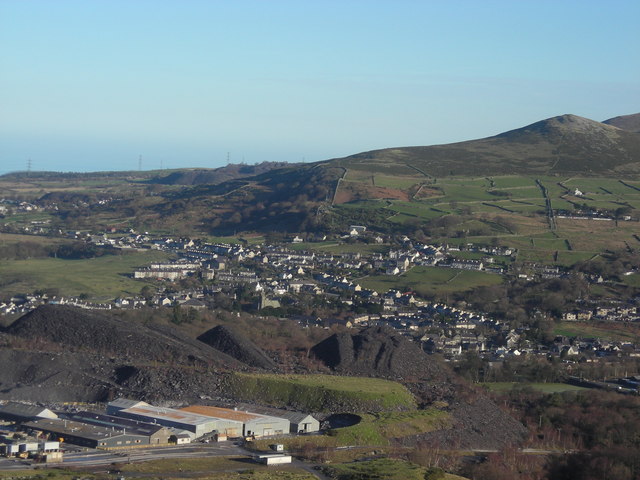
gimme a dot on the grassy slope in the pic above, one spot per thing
(320, 392)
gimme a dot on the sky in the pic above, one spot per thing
(96, 85)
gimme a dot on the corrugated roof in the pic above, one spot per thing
(222, 413)
(121, 423)
(76, 429)
(22, 410)
(170, 414)
(293, 417)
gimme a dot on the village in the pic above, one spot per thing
(266, 278)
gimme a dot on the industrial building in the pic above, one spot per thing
(85, 435)
(299, 422)
(197, 425)
(253, 424)
(155, 434)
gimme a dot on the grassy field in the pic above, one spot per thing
(100, 278)
(223, 468)
(319, 392)
(541, 387)
(41, 474)
(378, 429)
(374, 430)
(427, 281)
(13, 238)
(611, 331)
(395, 181)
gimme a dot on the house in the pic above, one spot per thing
(466, 264)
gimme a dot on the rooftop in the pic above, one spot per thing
(224, 413)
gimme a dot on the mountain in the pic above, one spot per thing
(282, 198)
(630, 123)
(565, 144)
(201, 176)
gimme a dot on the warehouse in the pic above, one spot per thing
(198, 425)
(253, 424)
(85, 435)
(300, 422)
(155, 434)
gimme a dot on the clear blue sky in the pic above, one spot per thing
(92, 84)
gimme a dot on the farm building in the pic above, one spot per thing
(91, 436)
(253, 424)
(198, 425)
(299, 422)
(155, 434)
(20, 412)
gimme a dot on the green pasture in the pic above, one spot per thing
(401, 183)
(512, 181)
(532, 192)
(595, 185)
(610, 331)
(465, 181)
(100, 278)
(467, 193)
(428, 281)
(13, 238)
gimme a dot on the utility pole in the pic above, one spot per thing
(28, 167)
